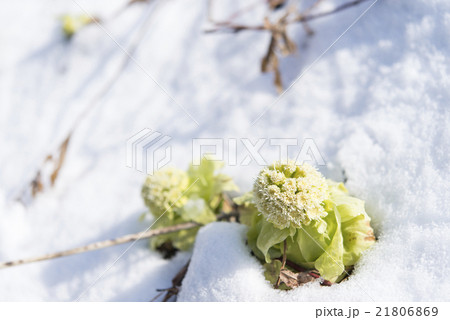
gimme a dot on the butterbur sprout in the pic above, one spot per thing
(290, 195)
(72, 23)
(175, 196)
(311, 221)
(163, 192)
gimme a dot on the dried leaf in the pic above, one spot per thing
(294, 280)
(277, 81)
(268, 60)
(60, 161)
(288, 278)
(36, 185)
(289, 45)
(276, 4)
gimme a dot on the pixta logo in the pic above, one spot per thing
(251, 151)
(147, 151)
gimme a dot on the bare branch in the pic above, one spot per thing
(228, 26)
(233, 28)
(280, 43)
(121, 240)
(104, 244)
(303, 18)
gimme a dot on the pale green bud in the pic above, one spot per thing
(72, 23)
(288, 194)
(164, 191)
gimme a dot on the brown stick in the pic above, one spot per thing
(301, 17)
(344, 6)
(176, 283)
(103, 244)
(109, 243)
(283, 263)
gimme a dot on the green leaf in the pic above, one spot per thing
(143, 216)
(210, 185)
(311, 243)
(198, 211)
(178, 197)
(349, 207)
(245, 200)
(356, 230)
(182, 240)
(330, 264)
(247, 208)
(272, 271)
(223, 183)
(253, 233)
(358, 237)
(270, 236)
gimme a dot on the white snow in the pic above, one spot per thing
(222, 269)
(376, 105)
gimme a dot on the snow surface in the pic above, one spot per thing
(376, 105)
(222, 269)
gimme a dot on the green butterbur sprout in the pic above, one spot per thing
(164, 191)
(174, 196)
(72, 23)
(324, 228)
(290, 195)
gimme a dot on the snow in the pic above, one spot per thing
(222, 269)
(376, 105)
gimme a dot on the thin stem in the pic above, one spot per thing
(301, 17)
(283, 263)
(109, 243)
(157, 296)
(103, 244)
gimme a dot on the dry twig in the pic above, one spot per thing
(120, 240)
(176, 284)
(280, 43)
(305, 16)
(103, 244)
